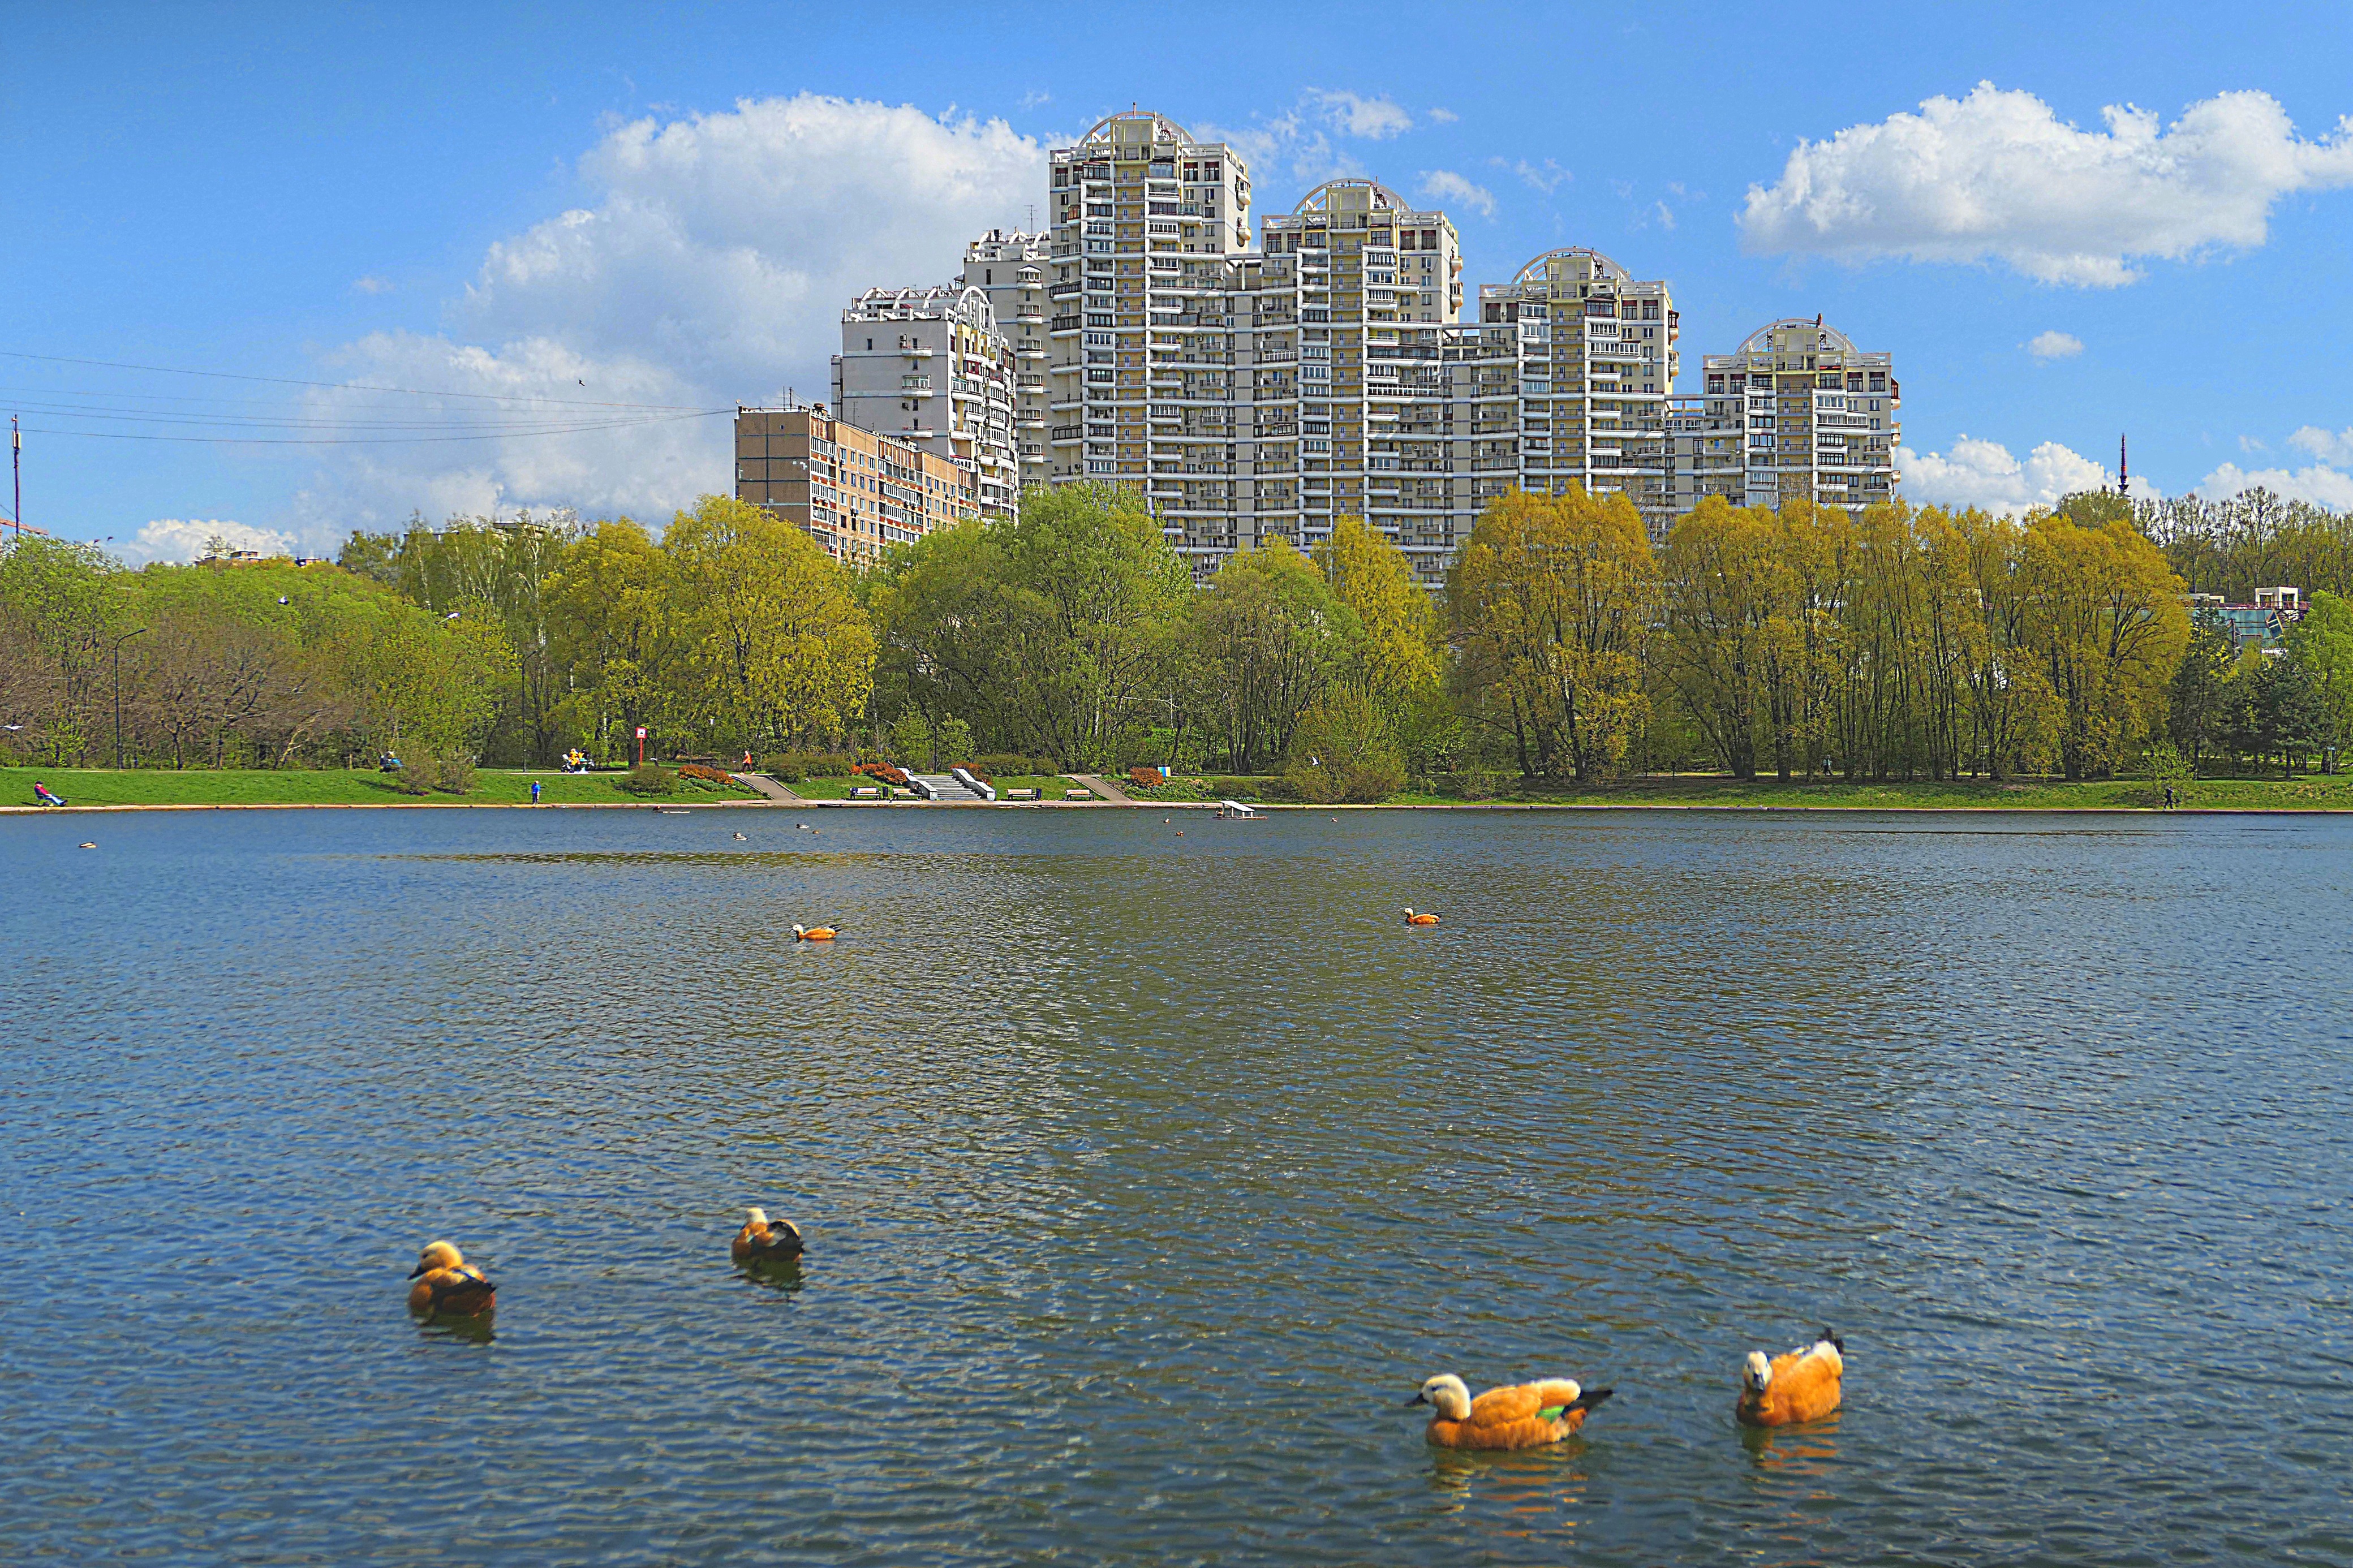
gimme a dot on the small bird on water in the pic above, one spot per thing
(89, 844)
(765, 1241)
(813, 933)
(1414, 920)
(739, 839)
(449, 1285)
(1798, 1385)
(1522, 1415)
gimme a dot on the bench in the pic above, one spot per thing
(865, 792)
(1078, 794)
(1021, 794)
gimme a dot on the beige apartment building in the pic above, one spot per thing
(1143, 340)
(1147, 221)
(852, 490)
(1796, 412)
(1009, 267)
(928, 366)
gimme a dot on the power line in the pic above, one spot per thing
(375, 440)
(488, 421)
(340, 385)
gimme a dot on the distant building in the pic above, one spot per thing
(854, 491)
(929, 366)
(1796, 413)
(1010, 268)
(2262, 624)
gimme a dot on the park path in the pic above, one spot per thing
(767, 786)
(1108, 790)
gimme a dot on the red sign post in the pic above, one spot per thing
(641, 745)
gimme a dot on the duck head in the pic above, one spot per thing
(755, 1217)
(1758, 1373)
(437, 1255)
(1448, 1395)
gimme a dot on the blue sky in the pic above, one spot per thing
(665, 208)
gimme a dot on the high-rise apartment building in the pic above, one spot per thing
(852, 490)
(1796, 412)
(929, 366)
(1142, 341)
(1148, 222)
(1009, 267)
(1595, 359)
(1347, 388)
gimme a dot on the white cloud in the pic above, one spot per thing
(1353, 114)
(1998, 175)
(184, 539)
(2328, 448)
(371, 285)
(2323, 485)
(2054, 345)
(1445, 116)
(1547, 176)
(711, 265)
(1037, 98)
(1446, 185)
(2249, 444)
(1977, 473)
(1666, 217)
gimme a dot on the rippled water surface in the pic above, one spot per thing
(1144, 1177)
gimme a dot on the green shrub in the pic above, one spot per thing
(455, 776)
(1471, 784)
(418, 774)
(1342, 752)
(647, 778)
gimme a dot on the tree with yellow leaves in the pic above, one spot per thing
(2106, 619)
(773, 647)
(1552, 600)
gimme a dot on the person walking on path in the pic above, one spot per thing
(535, 791)
(2168, 797)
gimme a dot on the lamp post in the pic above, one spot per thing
(125, 637)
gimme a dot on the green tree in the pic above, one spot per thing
(2321, 644)
(2197, 695)
(1056, 635)
(609, 620)
(1553, 599)
(1268, 636)
(2108, 625)
(772, 646)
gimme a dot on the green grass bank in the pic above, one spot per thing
(330, 786)
(302, 786)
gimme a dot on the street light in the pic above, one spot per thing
(125, 637)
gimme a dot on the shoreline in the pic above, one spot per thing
(1270, 808)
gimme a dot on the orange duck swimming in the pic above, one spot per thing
(1414, 920)
(1801, 1384)
(449, 1285)
(765, 1241)
(1524, 1416)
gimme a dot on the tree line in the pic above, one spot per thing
(1897, 643)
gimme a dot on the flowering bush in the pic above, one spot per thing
(704, 772)
(1147, 778)
(882, 770)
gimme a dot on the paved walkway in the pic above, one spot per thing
(765, 786)
(1108, 790)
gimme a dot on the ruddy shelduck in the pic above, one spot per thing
(1414, 920)
(1801, 1386)
(813, 933)
(765, 1241)
(449, 1285)
(1524, 1416)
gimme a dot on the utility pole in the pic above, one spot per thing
(2123, 473)
(17, 468)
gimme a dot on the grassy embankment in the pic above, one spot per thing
(2314, 792)
(328, 786)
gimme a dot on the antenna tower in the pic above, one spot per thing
(2123, 473)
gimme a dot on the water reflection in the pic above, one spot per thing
(1525, 1494)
